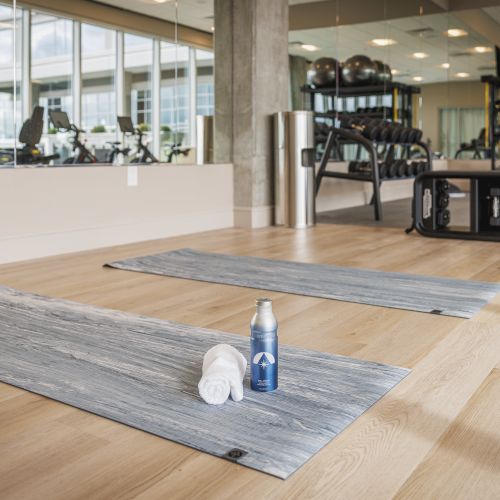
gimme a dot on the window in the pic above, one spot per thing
(98, 84)
(204, 82)
(175, 97)
(457, 126)
(51, 70)
(8, 133)
(138, 69)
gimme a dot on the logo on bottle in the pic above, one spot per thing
(263, 359)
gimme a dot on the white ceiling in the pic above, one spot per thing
(345, 41)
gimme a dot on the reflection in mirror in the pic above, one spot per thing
(10, 99)
(88, 74)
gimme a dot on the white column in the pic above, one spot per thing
(156, 98)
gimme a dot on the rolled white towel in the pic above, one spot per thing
(223, 372)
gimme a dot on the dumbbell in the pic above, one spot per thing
(442, 218)
(395, 132)
(405, 135)
(382, 170)
(392, 169)
(418, 135)
(359, 167)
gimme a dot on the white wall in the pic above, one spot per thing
(48, 211)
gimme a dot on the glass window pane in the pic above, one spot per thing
(51, 69)
(98, 86)
(204, 82)
(175, 98)
(8, 131)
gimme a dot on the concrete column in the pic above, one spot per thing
(251, 84)
(298, 78)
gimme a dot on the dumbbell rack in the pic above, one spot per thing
(341, 134)
(492, 116)
(402, 97)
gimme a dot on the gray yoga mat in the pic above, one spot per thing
(144, 372)
(449, 297)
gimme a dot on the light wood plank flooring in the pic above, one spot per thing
(436, 435)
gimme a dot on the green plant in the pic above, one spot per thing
(98, 129)
(52, 130)
(165, 128)
(144, 127)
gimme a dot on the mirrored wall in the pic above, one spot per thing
(73, 78)
(436, 59)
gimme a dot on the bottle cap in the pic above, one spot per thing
(264, 302)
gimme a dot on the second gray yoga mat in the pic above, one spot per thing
(144, 372)
(449, 297)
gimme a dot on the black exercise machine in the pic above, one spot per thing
(142, 154)
(476, 146)
(81, 154)
(29, 135)
(431, 205)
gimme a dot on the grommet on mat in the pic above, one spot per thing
(235, 454)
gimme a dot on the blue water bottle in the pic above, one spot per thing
(264, 347)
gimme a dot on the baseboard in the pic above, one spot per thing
(253, 217)
(34, 246)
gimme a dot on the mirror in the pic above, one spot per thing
(441, 55)
(94, 73)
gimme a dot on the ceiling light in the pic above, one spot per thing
(482, 50)
(420, 55)
(445, 65)
(395, 71)
(309, 48)
(418, 78)
(456, 32)
(383, 42)
(213, 28)
(462, 75)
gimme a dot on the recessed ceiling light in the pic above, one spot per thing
(456, 32)
(462, 75)
(420, 55)
(418, 78)
(395, 71)
(382, 42)
(309, 47)
(482, 50)
(445, 65)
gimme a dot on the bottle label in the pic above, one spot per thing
(264, 361)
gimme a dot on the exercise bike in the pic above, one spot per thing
(175, 149)
(29, 135)
(142, 154)
(81, 154)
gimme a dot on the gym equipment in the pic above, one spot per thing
(477, 146)
(383, 74)
(492, 113)
(323, 72)
(359, 70)
(81, 154)
(431, 199)
(404, 291)
(142, 154)
(29, 135)
(364, 133)
(116, 151)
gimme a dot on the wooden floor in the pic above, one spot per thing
(436, 435)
